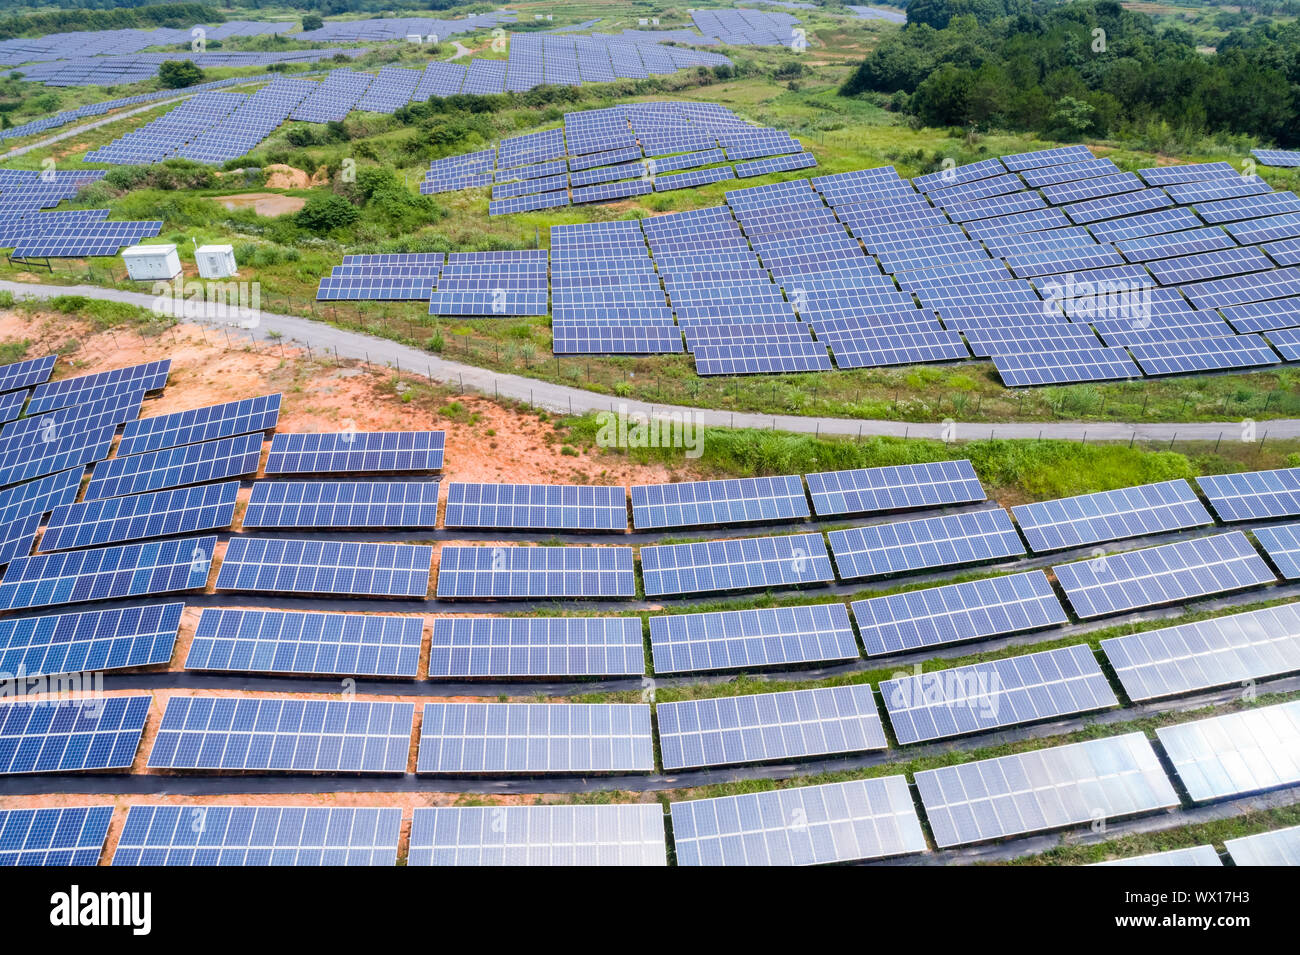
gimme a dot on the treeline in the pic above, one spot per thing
(1083, 69)
(117, 18)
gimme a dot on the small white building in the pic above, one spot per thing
(147, 263)
(215, 261)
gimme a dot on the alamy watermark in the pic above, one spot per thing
(624, 429)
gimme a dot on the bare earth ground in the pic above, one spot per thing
(486, 442)
(264, 203)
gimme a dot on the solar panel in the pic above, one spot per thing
(23, 506)
(1023, 369)
(149, 376)
(161, 514)
(1244, 752)
(1192, 856)
(49, 457)
(282, 641)
(474, 738)
(338, 504)
(736, 639)
(200, 424)
(1170, 573)
(1287, 342)
(954, 613)
(175, 467)
(1110, 515)
(731, 501)
(536, 506)
(325, 567)
(1282, 545)
(1172, 357)
(23, 374)
(1221, 651)
(1045, 789)
(283, 734)
(894, 488)
(213, 835)
(904, 546)
(536, 647)
(355, 452)
(73, 835)
(800, 825)
(985, 696)
(760, 358)
(736, 564)
(131, 570)
(765, 726)
(1277, 848)
(63, 736)
(1253, 495)
(524, 572)
(90, 641)
(539, 835)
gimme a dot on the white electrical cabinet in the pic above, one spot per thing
(151, 262)
(215, 261)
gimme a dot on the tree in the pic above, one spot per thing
(177, 74)
(325, 213)
(311, 21)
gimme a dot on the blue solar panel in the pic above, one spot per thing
(161, 514)
(1282, 545)
(23, 374)
(70, 391)
(745, 639)
(342, 504)
(1110, 515)
(282, 641)
(73, 835)
(49, 457)
(200, 424)
(737, 564)
(536, 506)
(131, 570)
(23, 506)
(984, 696)
(474, 738)
(1285, 340)
(899, 487)
(90, 641)
(905, 546)
(1171, 573)
(524, 572)
(356, 452)
(258, 836)
(1062, 367)
(536, 647)
(325, 567)
(957, 612)
(176, 467)
(761, 358)
(766, 726)
(283, 734)
(1253, 495)
(731, 501)
(66, 736)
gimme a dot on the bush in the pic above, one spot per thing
(178, 74)
(326, 213)
(311, 21)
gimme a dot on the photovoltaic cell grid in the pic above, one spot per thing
(1159, 575)
(623, 835)
(1253, 495)
(1282, 545)
(50, 396)
(160, 514)
(175, 467)
(986, 696)
(53, 837)
(468, 647)
(23, 374)
(803, 825)
(1110, 515)
(957, 612)
(282, 641)
(1044, 789)
(1193, 856)
(131, 570)
(258, 836)
(732, 501)
(736, 564)
(766, 726)
(473, 738)
(1277, 848)
(905, 546)
(340, 504)
(901, 487)
(93, 640)
(200, 424)
(736, 639)
(71, 735)
(536, 506)
(1207, 653)
(324, 567)
(355, 452)
(280, 734)
(1244, 752)
(523, 572)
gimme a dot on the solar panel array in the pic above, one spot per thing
(1243, 752)
(73, 835)
(339, 504)
(536, 506)
(90, 641)
(735, 564)
(470, 647)
(277, 565)
(530, 572)
(903, 546)
(159, 514)
(1279, 847)
(1110, 515)
(355, 452)
(62, 736)
(731, 501)
(1253, 495)
(746, 639)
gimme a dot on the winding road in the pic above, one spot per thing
(323, 338)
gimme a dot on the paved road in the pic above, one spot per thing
(320, 337)
(461, 50)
